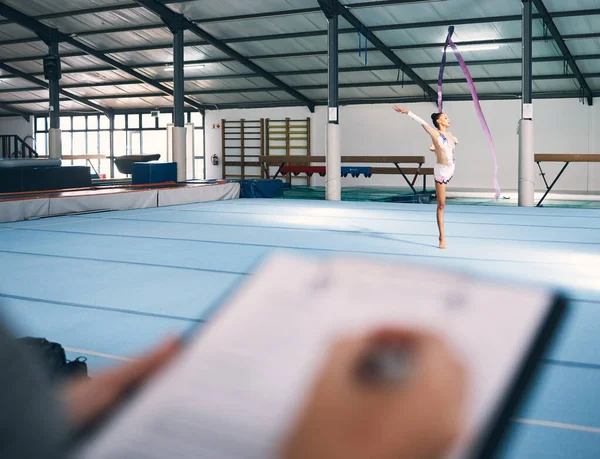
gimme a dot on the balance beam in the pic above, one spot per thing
(560, 158)
(282, 161)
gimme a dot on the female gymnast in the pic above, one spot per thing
(443, 145)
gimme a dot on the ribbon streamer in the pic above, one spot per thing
(478, 109)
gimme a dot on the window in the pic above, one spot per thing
(41, 143)
(104, 122)
(79, 123)
(104, 167)
(196, 118)
(92, 123)
(92, 143)
(135, 143)
(198, 152)
(120, 143)
(40, 125)
(198, 143)
(133, 121)
(105, 143)
(134, 134)
(119, 121)
(65, 123)
(164, 119)
(155, 141)
(67, 141)
(148, 121)
(79, 143)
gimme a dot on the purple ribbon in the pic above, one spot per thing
(442, 68)
(478, 109)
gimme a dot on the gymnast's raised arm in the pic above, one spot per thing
(431, 131)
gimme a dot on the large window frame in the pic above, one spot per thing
(96, 127)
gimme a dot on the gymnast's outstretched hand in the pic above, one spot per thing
(400, 110)
(348, 419)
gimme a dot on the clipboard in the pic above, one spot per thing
(239, 384)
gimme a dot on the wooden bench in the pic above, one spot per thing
(304, 164)
(560, 158)
(414, 171)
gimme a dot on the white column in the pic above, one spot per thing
(526, 164)
(179, 152)
(55, 144)
(526, 150)
(334, 162)
(190, 151)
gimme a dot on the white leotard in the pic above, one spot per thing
(448, 146)
(443, 173)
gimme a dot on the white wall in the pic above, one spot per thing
(16, 126)
(213, 143)
(561, 126)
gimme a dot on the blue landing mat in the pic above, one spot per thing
(115, 283)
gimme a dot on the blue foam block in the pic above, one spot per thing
(153, 172)
(261, 188)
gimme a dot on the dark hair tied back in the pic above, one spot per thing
(434, 118)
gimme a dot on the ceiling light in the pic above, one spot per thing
(470, 48)
(170, 68)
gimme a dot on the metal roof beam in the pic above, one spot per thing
(98, 9)
(319, 71)
(238, 17)
(515, 40)
(371, 84)
(380, 100)
(38, 27)
(49, 36)
(387, 52)
(316, 33)
(165, 12)
(405, 100)
(15, 111)
(130, 71)
(549, 22)
(44, 84)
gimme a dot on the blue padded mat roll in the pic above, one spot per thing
(261, 188)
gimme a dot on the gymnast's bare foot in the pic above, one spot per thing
(442, 242)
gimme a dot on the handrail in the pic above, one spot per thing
(13, 146)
